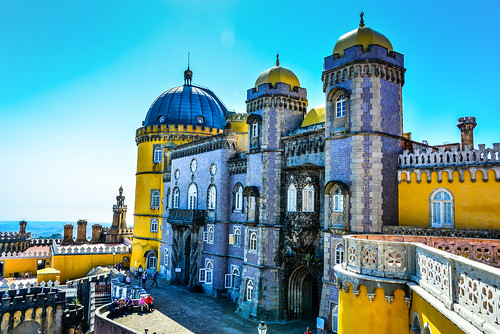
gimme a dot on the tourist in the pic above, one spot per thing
(123, 306)
(150, 302)
(119, 266)
(155, 279)
(114, 308)
(146, 331)
(142, 304)
(308, 331)
(144, 278)
(136, 274)
(129, 305)
(127, 279)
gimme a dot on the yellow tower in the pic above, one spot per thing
(179, 115)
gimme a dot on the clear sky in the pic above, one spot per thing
(77, 79)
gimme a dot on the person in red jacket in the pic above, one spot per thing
(150, 302)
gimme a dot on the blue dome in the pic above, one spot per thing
(187, 105)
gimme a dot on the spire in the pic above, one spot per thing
(277, 59)
(188, 74)
(361, 22)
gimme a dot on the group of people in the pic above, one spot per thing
(126, 306)
(144, 276)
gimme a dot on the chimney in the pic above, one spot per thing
(96, 234)
(81, 236)
(68, 235)
(466, 126)
(22, 227)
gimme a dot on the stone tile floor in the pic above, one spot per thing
(180, 311)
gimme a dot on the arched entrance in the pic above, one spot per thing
(303, 299)
(187, 259)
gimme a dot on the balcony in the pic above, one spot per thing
(186, 217)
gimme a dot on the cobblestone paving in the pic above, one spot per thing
(180, 311)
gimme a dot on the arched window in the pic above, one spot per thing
(209, 268)
(255, 129)
(167, 198)
(211, 197)
(155, 198)
(340, 106)
(166, 257)
(210, 234)
(442, 211)
(175, 198)
(237, 236)
(415, 324)
(157, 154)
(338, 201)
(192, 197)
(253, 241)
(153, 225)
(292, 198)
(339, 253)
(151, 261)
(249, 290)
(238, 198)
(308, 198)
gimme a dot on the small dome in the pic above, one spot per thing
(315, 116)
(187, 105)
(278, 74)
(361, 36)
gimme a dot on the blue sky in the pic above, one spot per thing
(77, 79)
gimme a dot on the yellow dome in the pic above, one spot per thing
(361, 36)
(278, 74)
(315, 116)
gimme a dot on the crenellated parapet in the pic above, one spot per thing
(280, 95)
(465, 287)
(44, 242)
(173, 133)
(14, 236)
(91, 249)
(25, 254)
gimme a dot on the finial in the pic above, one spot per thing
(361, 22)
(121, 190)
(188, 74)
(189, 56)
(277, 59)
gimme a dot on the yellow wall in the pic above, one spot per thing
(438, 323)
(359, 315)
(21, 265)
(477, 204)
(78, 265)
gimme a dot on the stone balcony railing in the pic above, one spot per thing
(466, 287)
(186, 217)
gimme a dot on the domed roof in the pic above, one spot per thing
(361, 36)
(278, 74)
(315, 116)
(187, 105)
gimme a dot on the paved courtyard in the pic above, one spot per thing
(180, 311)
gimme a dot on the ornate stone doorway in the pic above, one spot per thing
(303, 298)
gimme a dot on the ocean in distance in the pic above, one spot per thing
(44, 229)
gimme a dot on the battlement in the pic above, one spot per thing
(44, 242)
(164, 129)
(455, 157)
(355, 53)
(279, 88)
(128, 230)
(14, 236)
(87, 279)
(91, 249)
(233, 116)
(26, 254)
(21, 296)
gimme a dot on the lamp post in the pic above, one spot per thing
(262, 328)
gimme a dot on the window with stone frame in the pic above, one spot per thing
(209, 269)
(192, 197)
(153, 225)
(157, 153)
(308, 198)
(338, 201)
(249, 290)
(339, 253)
(442, 210)
(340, 106)
(238, 198)
(165, 257)
(167, 198)
(235, 276)
(151, 260)
(252, 245)
(210, 233)
(292, 198)
(175, 198)
(211, 197)
(255, 129)
(155, 198)
(237, 236)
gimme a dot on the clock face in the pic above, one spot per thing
(177, 174)
(200, 120)
(213, 169)
(161, 119)
(193, 165)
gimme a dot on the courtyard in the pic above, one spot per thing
(180, 311)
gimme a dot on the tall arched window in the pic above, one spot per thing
(211, 197)
(237, 236)
(192, 197)
(292, 198)
(157, 154)
(253, 241)
(175, 198)
(255, 129)
(209, 267)
(308, 198)
(249, 290)
(155, 198)
(238, 198)
(442, 211)
(340, 106)
(339, 253)
(211, 233)
(153, 225)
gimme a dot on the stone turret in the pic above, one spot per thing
(81, 236)
(96, 234)
(68, 235)
(22, 227)
(466, 126)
